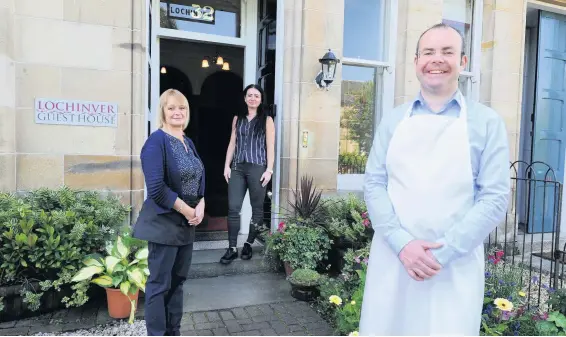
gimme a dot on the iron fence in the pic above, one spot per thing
(529, 241)
(351, 164)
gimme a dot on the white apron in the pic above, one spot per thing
(430, 183)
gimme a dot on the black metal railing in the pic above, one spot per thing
(529, 240)
(352, 163)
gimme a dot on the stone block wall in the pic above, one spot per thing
(89, 50)
(307, 108)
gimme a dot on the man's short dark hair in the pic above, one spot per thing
(442, 25)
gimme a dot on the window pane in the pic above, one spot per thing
(218, 17)
(464, 85)
(358, 117)
(363, 29)
(459, 14)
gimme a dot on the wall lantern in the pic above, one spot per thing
(326, 75)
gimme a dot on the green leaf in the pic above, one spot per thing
(125, 287)
(122, 250)
(132, 312)
(560, 320)
(24, 263)
(119, 267)
(142, 254)
(116, 279)
(146, 271)
(110, 262)
(93, 261)
(103, 281)
(136, 277)
(547, 327)
(86, 273)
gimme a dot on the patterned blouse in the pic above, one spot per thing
(190, 167)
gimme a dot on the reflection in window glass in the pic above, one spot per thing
(459, 14)
(358, 117)
(363, 29)
(464, 85)
(202, 16)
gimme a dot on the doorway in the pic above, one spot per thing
(543, 127)
(211, 77)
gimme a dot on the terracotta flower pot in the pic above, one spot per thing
(119, 305)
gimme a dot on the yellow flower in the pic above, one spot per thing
(353, 303)
(522, 294)
(335, 300)
(503, 304)
(354, 333)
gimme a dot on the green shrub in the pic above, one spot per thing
(304, 277)
(45, 235)
(300, 246)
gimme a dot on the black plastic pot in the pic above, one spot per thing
(304, 293)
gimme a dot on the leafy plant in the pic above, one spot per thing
(346, 217)
(117, 271)
(301, 246)
(304, 277)
(306, 202)
(45, 234)
(554, 325)
(348, 315)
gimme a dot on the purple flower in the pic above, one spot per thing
(365, 260)
(534, 280)
(487, 274)
(357, 259)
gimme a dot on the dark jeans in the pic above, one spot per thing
(245, 176)
(168, 268)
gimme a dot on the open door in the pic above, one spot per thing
(549, 123)
(267, 15)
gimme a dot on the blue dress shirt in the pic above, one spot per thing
(489, 151)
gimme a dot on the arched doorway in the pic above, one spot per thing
(220, 98)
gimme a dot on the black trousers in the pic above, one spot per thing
(245, 176)
(168, 268)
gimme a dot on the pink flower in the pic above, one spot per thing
(357, 259)
(366, 222)
(364, 215)
(281, 227)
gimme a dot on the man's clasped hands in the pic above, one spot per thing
(418, 259)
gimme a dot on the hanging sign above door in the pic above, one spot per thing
(192, 13)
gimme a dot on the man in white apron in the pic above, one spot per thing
(437, 183)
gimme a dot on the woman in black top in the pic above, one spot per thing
(174, 176)
(248, 166)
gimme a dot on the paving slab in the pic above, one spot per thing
(234, 291)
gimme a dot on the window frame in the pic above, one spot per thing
(473, 75)
(384, 86)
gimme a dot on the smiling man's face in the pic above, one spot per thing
(439, 60)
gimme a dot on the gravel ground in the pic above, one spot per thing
(121, 328)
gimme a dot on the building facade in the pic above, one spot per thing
(80, 82)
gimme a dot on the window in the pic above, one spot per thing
(360, 109)
(202, 16)
(367, 87)
(459, 14)
(465, 16)
(363, 22)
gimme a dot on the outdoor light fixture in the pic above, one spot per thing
(326, 75)
(205, 63)
(219, 60)
(226, 66)
(163, 70)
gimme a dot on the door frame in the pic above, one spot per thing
(247, 41)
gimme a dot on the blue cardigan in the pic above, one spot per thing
(162, 176)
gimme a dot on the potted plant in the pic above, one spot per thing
(304, 284)
(299, 246)
(119, 275)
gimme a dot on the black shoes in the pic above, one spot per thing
(229, 256)
(246, 251)
(232, 253)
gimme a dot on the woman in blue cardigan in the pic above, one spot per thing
(174, 176)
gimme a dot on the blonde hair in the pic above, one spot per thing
(163, 102)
